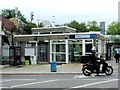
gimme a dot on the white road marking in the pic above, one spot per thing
(94, 83)
(92, 77)
(80, 76)
(16, 80)
(3, 87)
(22, 79)
(5, 81)
(34, 83)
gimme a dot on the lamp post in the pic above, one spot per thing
(54, 20)
(16, 12)
(38, 20)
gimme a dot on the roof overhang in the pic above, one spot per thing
(43, 37)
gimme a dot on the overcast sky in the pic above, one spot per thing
(66, 10)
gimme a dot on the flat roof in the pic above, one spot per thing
(54, 29)
(62, 27)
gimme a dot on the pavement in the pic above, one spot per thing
(71, 68)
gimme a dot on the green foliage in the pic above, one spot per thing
(117, 40)
(83, 28)
(80, 27)
(74, 24)
(113, 28)
(29, 26)
(40, 25)
(10, 13)
(7, 13)
(114, 39)
(92, 26)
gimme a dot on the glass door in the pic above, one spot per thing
(58, 51)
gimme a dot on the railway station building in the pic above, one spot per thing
(61, 44)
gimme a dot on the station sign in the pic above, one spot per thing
(82, 36)
(102, 27)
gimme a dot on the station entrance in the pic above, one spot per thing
(110, 53)
(70, 50)
(42, 52)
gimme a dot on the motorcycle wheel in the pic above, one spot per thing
(87, 71)
(108, 70)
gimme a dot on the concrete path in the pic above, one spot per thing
(46, 69)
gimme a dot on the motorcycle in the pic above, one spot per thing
(88, 68)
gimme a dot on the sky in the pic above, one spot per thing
(65, 11)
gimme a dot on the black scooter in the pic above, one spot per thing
(88, 68)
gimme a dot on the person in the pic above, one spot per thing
(94, 60)
(117, 54)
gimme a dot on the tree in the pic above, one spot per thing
(7, 13)
(114, 39)
(80, 27)
(83, 27)
(74, 24)
(92, 26)
(29, 26)
(40, 25)
(113, 28)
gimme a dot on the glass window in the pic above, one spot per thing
(57, 48)
(78, 50)
(88, 40)
(58, 42)
(35, 33)
(88, 48)
(56, 32)
(60, 57)
(45, 33)
(12, 52)
(53, 47)
(60, 48)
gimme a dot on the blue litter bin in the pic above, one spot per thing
(53, 66)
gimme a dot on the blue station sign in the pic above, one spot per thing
(80, 36)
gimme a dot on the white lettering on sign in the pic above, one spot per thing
(82, 36)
